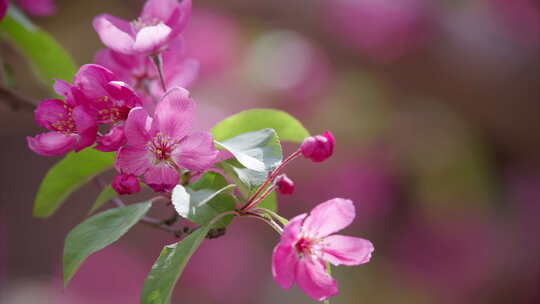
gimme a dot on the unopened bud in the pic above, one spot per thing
(284, 185)
(319, 147)
(126, 184)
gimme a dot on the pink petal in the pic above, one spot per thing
(113, 140)
(182, 74)
(133, 160)
(175, 113)
(52, 143)
(284, 262)
(86, 128)
(291, 231)
(179, 18)
(115, 33)
(196, 152)
(161, 178)
(151, 39)
(92, 79)
(329, 217)
(123, 94)
(50, 111)
(159, 9)
(346, 250)
(121, 68)
(137, 127)
(312, 278)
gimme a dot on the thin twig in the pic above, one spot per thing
(15, 101)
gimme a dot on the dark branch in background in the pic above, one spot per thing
(15, 101)
(166, 224)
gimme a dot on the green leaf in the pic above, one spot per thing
(170, 264)
(104, 196)
(68, 175)
(287, 127)
(47, 57)
(204, 200)
(98, 232)
(247, 180)
(258, 150)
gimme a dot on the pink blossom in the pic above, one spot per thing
(139, 72)
(284, 184)
(126, 184)
(159, 146)
(109, 100)
(72, 126)
(160, 22)
(113, 140)
(37, 7)
(318, 148)
(306, 246)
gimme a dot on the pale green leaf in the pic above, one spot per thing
(258, 150)
(68, 175)
(46, 56)
(98, 232)
(170, 264)
(203, 200)
(287, 127)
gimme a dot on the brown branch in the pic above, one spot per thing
(15, 101)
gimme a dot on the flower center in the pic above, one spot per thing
(65, 124)
(110, 112)
(304, 246)
(162, 147)
(140, 23)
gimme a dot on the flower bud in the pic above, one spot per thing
(284, 185)
(126, 184)
(319, 147)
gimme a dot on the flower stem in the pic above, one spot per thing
(251, 201)
(158, 63)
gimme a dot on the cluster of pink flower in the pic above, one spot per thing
(122, 105)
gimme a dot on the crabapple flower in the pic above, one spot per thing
(110, 100)
(140, 73)
(126, 184)
(159, 23)
(319, 147)
(307, 245)
(37, 7)
(72, 126)
(284, 185)
(113, 140)
(160, 145)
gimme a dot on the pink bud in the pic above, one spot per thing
(284, 184)
(319, 147)
(126, 184)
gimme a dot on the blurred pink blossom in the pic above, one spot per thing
(214, 39)
(37, 7)
(384, 30)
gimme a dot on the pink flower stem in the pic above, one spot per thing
(252, 202)
(158, 63)
(268, 221)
